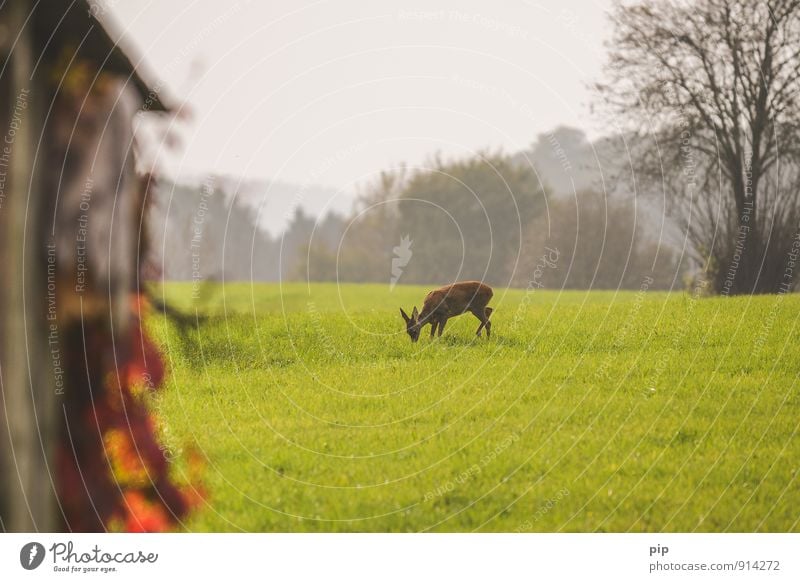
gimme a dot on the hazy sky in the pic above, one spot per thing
(333, 92)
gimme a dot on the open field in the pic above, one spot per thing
(595, 411)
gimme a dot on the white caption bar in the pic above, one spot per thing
(401, 557)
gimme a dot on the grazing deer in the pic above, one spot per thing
(449, 301)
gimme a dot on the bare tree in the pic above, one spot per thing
(711, 87)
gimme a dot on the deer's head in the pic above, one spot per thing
(412, 323)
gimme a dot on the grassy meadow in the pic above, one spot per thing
(585, 411)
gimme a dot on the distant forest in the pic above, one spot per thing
(559, 215)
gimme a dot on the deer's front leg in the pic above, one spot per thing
(433, 327)
(441, 325)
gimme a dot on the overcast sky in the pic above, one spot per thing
(333, 92)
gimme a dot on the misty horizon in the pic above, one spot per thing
(256, 85)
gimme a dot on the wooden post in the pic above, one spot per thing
(27, 406)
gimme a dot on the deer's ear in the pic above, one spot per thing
(404, 314)
(415, 313)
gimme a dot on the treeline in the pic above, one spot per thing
(462, 220)
(594, 241)
(205, 232)
(488, 217)
(491, 216)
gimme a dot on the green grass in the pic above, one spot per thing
(594, 411)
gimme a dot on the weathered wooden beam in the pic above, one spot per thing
(26, 372)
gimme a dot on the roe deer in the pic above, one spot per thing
(449, 301)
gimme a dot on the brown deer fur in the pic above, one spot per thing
(449, 301)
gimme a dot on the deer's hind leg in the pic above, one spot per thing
(484, 319)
